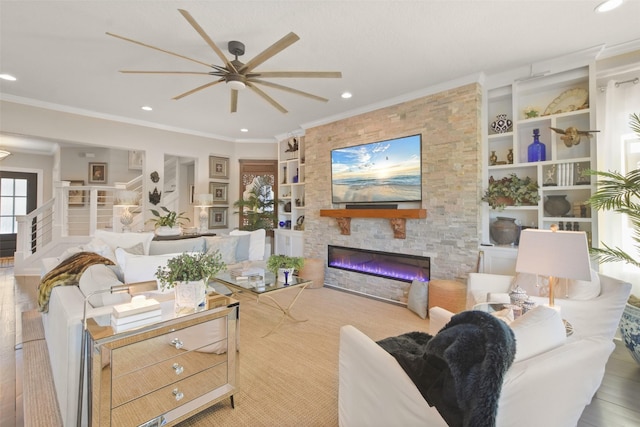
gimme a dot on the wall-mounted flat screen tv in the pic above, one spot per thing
(385, 171)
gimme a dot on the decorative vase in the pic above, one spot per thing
(630, 330)
(284, 275)
(557, 205)
(501, 124)
(493, 159)
(168, 231)
(536, 152)
(510, 156)
(189, 296)
(504, 231)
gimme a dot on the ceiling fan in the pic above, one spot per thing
(236, 74)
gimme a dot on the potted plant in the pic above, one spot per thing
(168, 224)
(257, 206)
(188, 274)
(621, 194)
(284, 266)
(511, 191)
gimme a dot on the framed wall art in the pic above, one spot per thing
(97, 173)
(220, 191)
(76, 197)
(218, 167)
(135, 159)
(218, 217)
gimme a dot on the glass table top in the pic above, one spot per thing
(259, 284)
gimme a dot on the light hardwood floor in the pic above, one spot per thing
(615, 403)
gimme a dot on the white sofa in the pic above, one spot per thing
(549, 387)
(63, 320)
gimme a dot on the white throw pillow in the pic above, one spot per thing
(226, 245)
(418, 298)
(100, 277)
(124, 240)
(256, 243)
(540, 329)
(141, 268)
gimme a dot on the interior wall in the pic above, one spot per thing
(450, 125)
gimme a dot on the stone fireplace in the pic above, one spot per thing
(394, 266)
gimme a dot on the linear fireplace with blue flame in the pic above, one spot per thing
(402, 267)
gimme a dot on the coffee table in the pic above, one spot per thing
(267, 287)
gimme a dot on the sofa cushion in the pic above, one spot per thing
(418, 298)
(140, 268)
(257, 243)
(540, 329)
(124, 240)
(226, 245)
(100, 278)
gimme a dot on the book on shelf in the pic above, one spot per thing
(138, 304)
(126, 326)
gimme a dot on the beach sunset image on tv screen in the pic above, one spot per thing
(385, 171)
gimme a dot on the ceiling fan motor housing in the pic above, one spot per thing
(236, 48)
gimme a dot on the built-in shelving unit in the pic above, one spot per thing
(289, 236)
(555, 97)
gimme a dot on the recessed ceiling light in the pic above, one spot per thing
(8, 77)
(346, 95)
(608, 5)
(147, 108)
(244, 130)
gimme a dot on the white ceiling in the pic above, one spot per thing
(62, 57)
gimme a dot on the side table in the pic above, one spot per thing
(164, 372)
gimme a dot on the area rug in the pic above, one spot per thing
(290, 378)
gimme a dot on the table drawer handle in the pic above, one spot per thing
(178, 368)
(178, 394)
(177, 343)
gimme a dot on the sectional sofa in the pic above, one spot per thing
(136, 257)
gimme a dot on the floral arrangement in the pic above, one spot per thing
(190, 267)
(511, 191)
(171, 219)
(531, 112)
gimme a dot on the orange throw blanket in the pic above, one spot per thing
(68, 272)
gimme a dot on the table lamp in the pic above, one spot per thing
(557, 254)
(126, 199)
(204, 201)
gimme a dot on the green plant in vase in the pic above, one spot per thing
(257, 206)
(290, 263)
(169, 219)
(190, 267)
(621, 194)
(511, 191)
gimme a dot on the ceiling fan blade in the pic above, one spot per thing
(272, 50)
(157, 48)
(300, 74)
(204, 73)
(289, 89)
(234, 100)
(207, 39)
(199, 88)
(267, 98)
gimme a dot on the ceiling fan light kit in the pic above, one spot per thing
(236, 74)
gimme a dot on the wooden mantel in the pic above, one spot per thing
(397, 218)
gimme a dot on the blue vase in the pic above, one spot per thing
(537, 151)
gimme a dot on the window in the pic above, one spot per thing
(13, 201)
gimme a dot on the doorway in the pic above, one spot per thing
(18, 196)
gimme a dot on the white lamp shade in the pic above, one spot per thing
(561, 254)
(204, 199)
(127, 198)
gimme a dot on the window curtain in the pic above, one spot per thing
(618, 150)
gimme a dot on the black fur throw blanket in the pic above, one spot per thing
(459, 370)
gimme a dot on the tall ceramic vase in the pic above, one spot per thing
(189, 296)
(630, 330)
